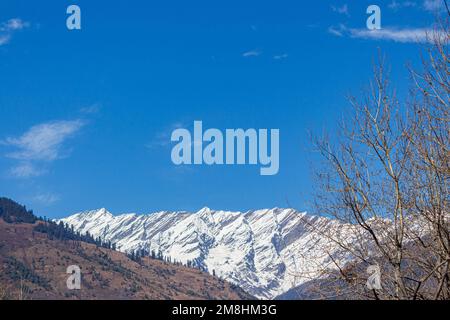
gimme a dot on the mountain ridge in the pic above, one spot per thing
(35, 254)
(267, 251)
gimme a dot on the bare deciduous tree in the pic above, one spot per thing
(386, 177)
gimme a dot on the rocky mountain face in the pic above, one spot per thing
(265, 252)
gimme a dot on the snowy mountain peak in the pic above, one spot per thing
(204, 210)
(96, 212)
(266, 252)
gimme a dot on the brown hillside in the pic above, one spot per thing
(34, 267)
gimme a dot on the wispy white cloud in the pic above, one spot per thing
(337, 30)
(341, 10)
(433, 5)
(92, 109)
(252, 53)
(427, 5)
(8, 28)
(162, 138)
(14, 24)
(405, 35)
(46, 198)
(396, 5)
(4, 39)
(281, 56)
(26, 170)
(41, 143)
(417, 35)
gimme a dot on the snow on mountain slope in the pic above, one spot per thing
(265, 252)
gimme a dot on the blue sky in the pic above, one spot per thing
(86, 115)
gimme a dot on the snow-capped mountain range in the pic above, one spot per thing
(265, 252)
